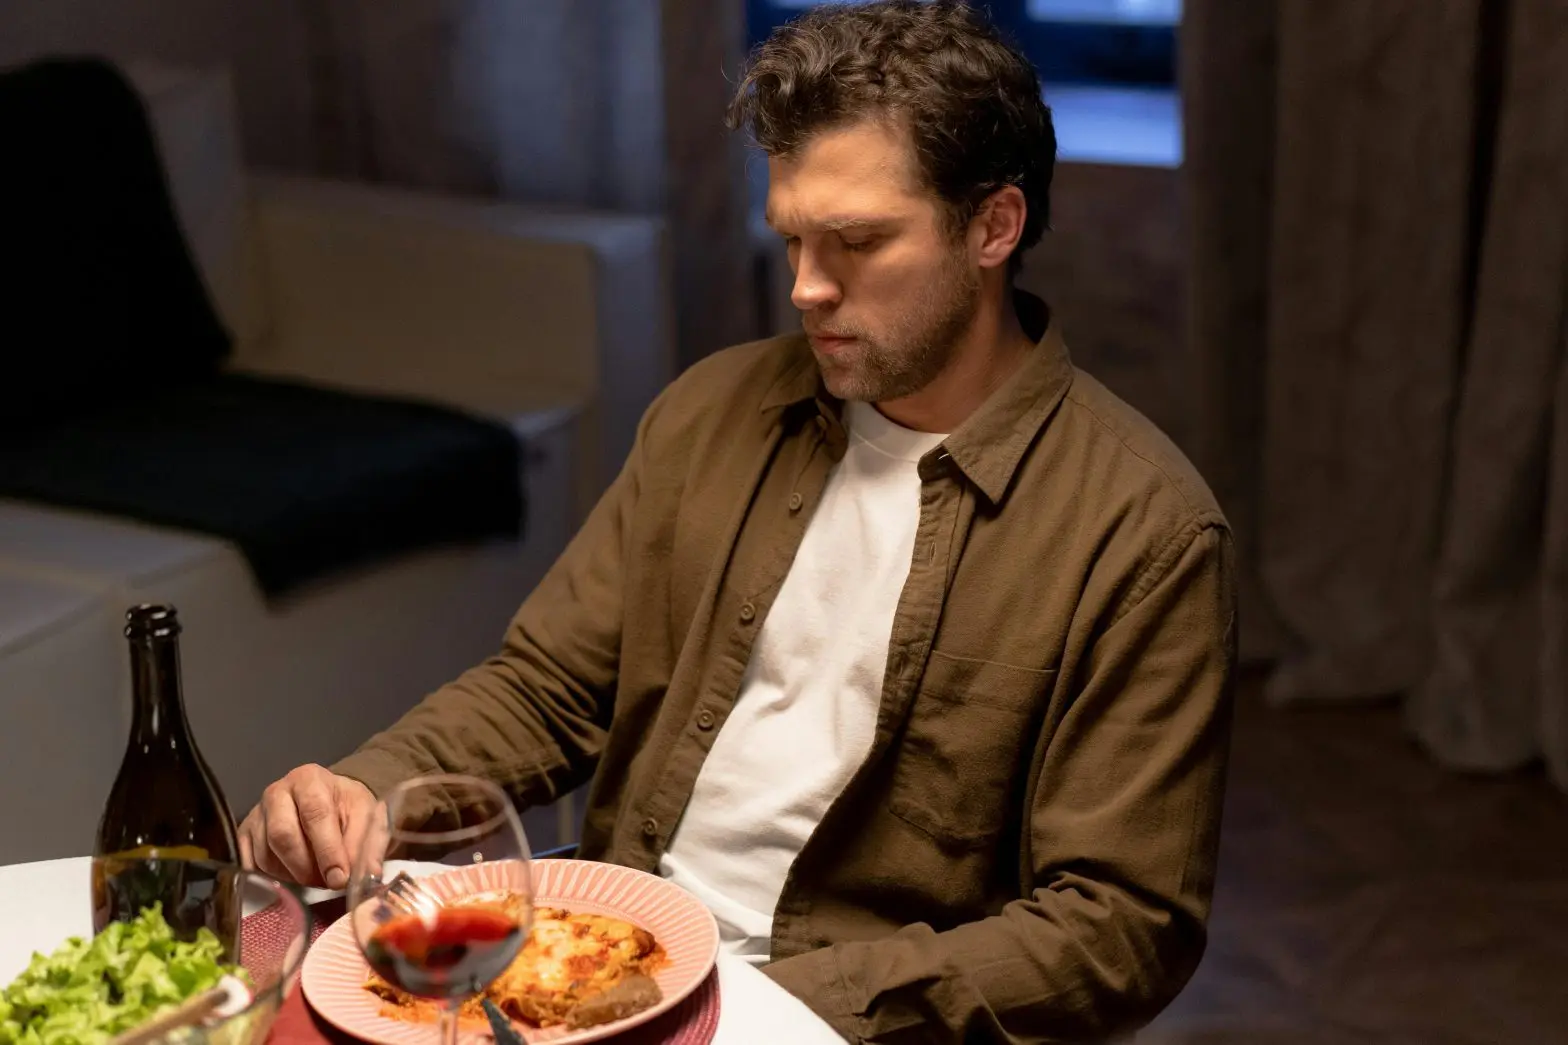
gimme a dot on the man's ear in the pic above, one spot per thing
(998, 226)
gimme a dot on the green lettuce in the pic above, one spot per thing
(88, 991)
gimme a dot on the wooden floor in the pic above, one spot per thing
(1366, 895)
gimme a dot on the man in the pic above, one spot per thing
(902, 644)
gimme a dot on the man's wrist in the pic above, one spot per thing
(375, 770)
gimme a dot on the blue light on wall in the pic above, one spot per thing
(1082, 42)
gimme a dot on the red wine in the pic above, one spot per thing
(455, 953)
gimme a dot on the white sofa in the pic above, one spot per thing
(555, 321)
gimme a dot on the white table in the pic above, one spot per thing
(43, 903)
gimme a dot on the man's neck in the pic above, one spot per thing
(990, 351)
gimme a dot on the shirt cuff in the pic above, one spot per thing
(815, 978)
(377, 770)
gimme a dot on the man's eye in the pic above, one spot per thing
(859, 245)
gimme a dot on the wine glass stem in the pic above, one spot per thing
(449, 1023)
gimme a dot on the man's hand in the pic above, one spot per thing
(306, 827)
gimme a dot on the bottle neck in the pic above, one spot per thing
(158, 709)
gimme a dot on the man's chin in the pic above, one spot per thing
(849, 378)
(842, 382)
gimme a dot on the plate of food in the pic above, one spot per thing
(610, 948)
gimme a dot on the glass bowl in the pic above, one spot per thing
(262, 925)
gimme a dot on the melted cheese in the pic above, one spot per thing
(568, 958)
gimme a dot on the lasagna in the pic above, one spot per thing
(576, 970)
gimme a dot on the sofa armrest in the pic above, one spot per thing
(488, 306)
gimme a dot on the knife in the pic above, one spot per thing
(500, 1026)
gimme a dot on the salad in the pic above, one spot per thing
(88, 991)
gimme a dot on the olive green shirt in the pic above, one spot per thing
(1027, 853)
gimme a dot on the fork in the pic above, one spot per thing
(405, 895)
(501, 1028)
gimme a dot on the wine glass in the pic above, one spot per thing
(442, 893)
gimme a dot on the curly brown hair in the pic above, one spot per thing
(972, 103)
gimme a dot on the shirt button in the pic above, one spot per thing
(795, 501)
(748, 613)
(938, 466)
(704, 719)
(650, 827)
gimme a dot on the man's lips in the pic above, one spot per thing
(829, 342)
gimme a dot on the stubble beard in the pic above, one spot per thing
(918, 348)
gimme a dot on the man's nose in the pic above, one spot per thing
(814, 287)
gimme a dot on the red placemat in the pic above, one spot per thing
(693, 1022)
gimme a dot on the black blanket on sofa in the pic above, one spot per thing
(113, 396)
(101, 295)
(306, 481)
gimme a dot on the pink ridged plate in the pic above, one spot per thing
(335, 970)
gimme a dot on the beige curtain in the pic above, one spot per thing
(614, 104)
(1378, 213)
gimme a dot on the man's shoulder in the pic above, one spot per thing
(715, 408)
(1140, 461)
(740, 376)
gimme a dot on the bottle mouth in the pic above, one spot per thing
(151, 621)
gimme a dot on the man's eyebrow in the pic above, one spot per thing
(837, 223)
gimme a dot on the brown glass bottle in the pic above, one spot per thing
(165, 807)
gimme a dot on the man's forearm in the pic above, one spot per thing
(530, 718)
(532, 730)
(1079, 964)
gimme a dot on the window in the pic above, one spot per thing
(1108, 66)
(1073, 42)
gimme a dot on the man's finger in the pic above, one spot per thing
(253, 843)
(285, 838)
(260, 852)
(356, 820)
(247, 861)
(316, 804)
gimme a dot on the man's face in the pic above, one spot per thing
(885, 289)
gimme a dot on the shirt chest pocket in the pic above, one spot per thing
(964, 746)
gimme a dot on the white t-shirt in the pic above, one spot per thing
(807, 708)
